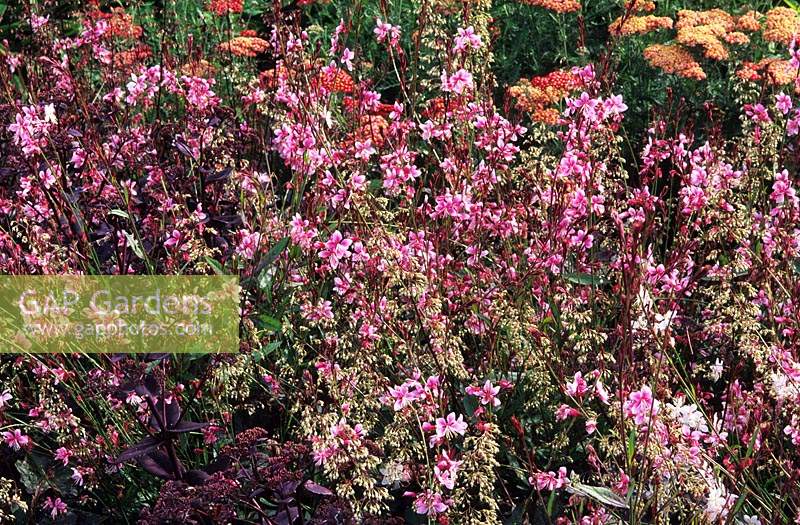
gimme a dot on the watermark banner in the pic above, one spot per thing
(119, 314)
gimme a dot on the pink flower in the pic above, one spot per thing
(37, 22)
(783, 102)
(550, 480)
(564, 412)
(248, 245)
(63, 455)
(487, 393)
(578, 386)
(364, 150)
(429, 503)
(335, 249)
(445, 428)
(641, 406)
(56, 505)
(458, 82)
(466, 39)
(782, 188)
(387, 32)
(173, 239)
(402, 396)
(347, 58)
(4, 398)
(15, 439)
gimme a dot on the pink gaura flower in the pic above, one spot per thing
(578, 386)
(565, 412)
(56, 506)
(62, 454)
(550, 480)
(783, 102)
(487, 393)
(466, 39)
(450, 426)
(385, 32)
(641, 406)
(458, 82)
(336, 248)
(16, 439)
(5, 397)
(430, 503)
(248, 245)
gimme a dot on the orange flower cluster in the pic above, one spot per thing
(337, 80)
(749, 22)
(774, 70)
(781, 25)
(640, 6)
(223, 7)
(674, 58)
(352, 105)
(120, 24)
(132, 56)
(538, 95)
(559, 6)
(639, 25)
(371, 127)
(199, 68)
(437, 107)
(708, 30)
(269, 79)
(245, 46)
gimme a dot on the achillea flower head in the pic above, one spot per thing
(337, 80)
(244, 46)
(119, 24)
(749, 22)
(640, 6)
(639, 25)
(559, 6)
(539, 94)
(706, 37)
(775, 71)
(781, 25)
(675, 59)
(223, 7)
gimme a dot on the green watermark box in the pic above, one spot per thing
(119, 314)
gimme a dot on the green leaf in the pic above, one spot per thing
(215, 265)
(120, 213)
(583, 279)
(270, 322)
(134, 244)
(604, 495)
(30, 479)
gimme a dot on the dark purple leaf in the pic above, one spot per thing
(220, 175)
(196, 477)
(317, 489)
(184, 149)
(186, 426)
(287, 517)
(141, 448)
(158, 464)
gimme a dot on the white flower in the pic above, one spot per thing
(716, 370)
